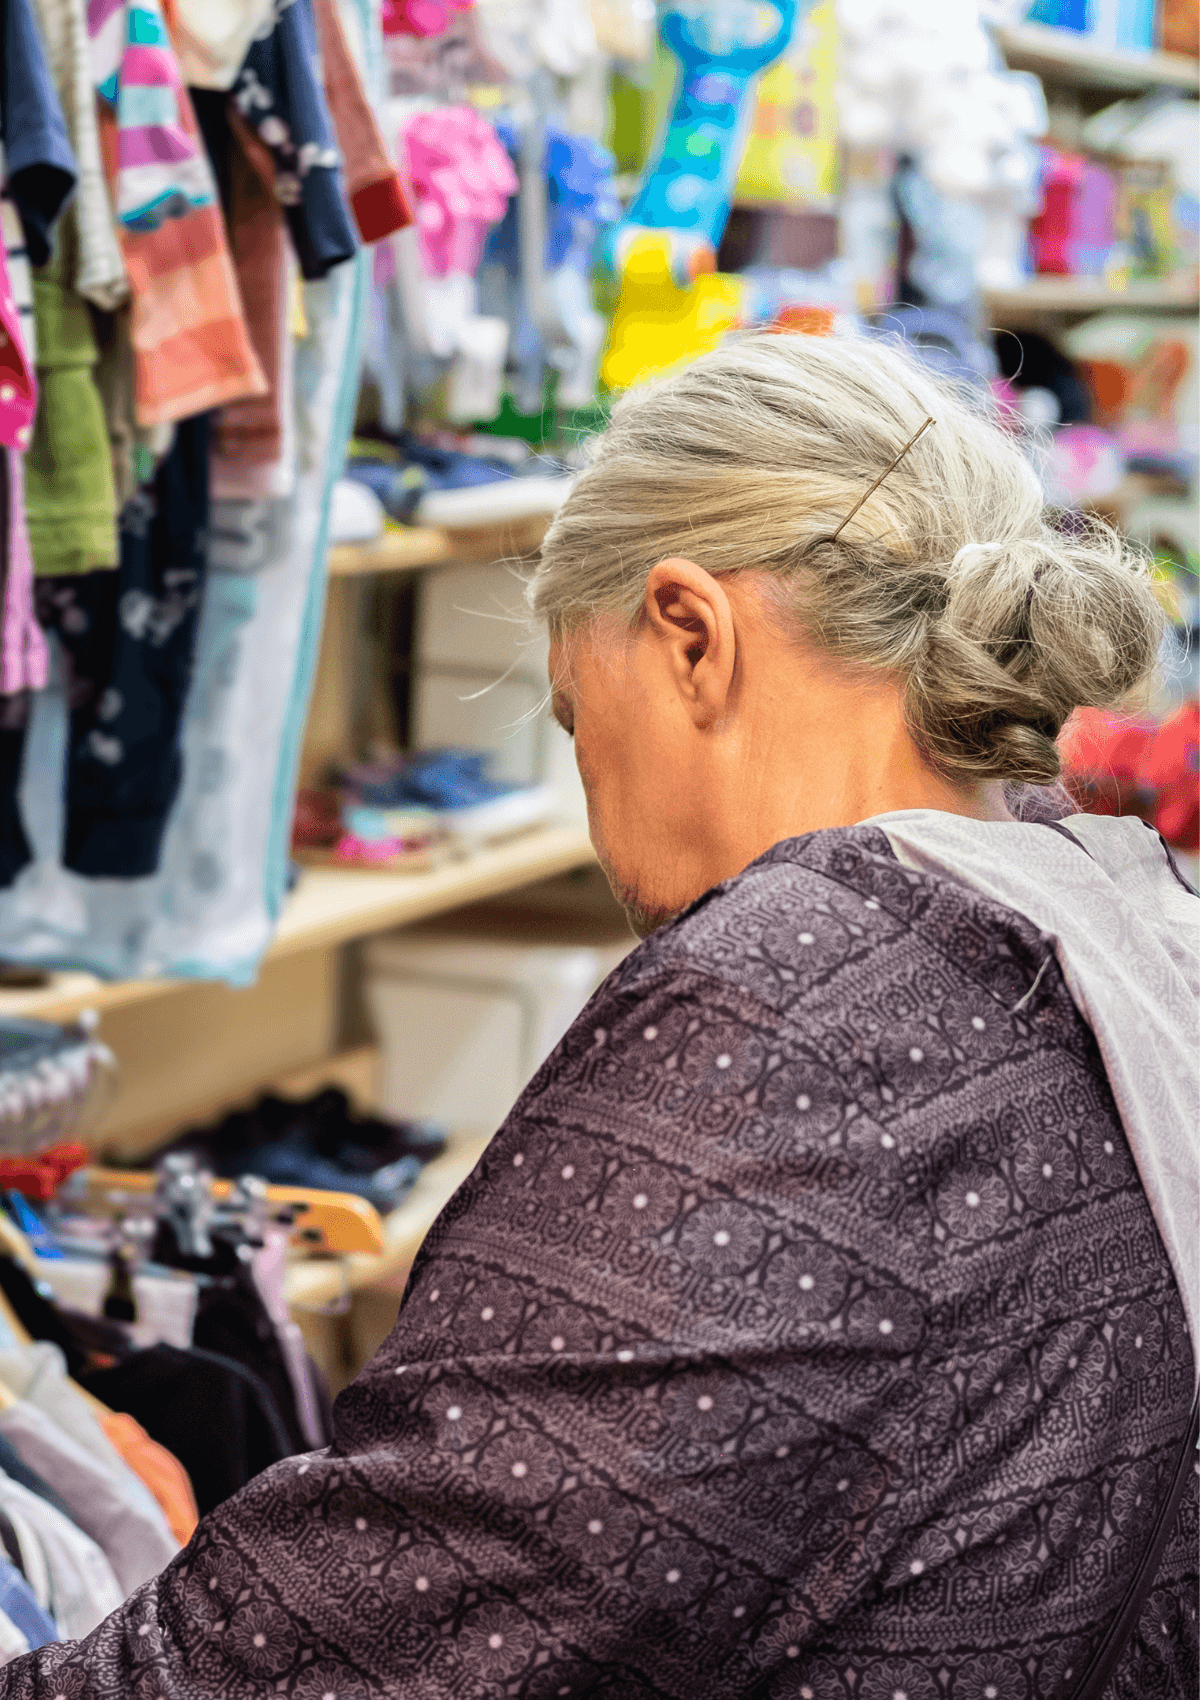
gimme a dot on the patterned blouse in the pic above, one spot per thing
(804, 1332)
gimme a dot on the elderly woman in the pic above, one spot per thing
(820, 1322)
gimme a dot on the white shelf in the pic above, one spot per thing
(1061, 56)
(331, 906)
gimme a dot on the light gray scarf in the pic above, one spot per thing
(1126, 933)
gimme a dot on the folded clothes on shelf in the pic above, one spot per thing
(318, 1142)
(398, 810)
(437, 484)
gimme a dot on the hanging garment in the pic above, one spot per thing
(37, 1374)
(15, 1467)
(24, 660)
(10, 1544)
(18, 385)
(99, 271)
(212, 38)
(30, 1560)
(135, 1545)
(82, 1587)
(232, 1322)
(15, 852)
(215, 1416)
(268, 1268)
(161, 169)
(377, 198)
(70, 500)
(191, 348)
(20, 1607)
(210, 909)
(20, 290)
(254, 453)
(278, 92)
(130, 637)
(40, 165)
(806, 1325)
(161, 1472)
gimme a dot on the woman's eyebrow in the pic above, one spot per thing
(563, 710)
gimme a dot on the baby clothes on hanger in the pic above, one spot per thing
(130, 638)
(377, 198)
(191, 350)
(39, 161)
(161, 170)
(24, 661)
(99, 274)
(16, 257)
(253, 452)
(70, 499)
(18, 386)
(278, 92)
(212, 38)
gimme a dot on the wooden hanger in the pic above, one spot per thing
(325, 1222)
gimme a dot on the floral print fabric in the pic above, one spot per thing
(760, 1356)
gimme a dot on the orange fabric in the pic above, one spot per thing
(251, 432)
(372, 181)
(161, 1471)
(191, 349)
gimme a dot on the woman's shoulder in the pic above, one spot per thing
(833, 921)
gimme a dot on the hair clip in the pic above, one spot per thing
(929, 420)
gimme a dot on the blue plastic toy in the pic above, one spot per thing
(721, 46)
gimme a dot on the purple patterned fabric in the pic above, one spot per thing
(804, 1332)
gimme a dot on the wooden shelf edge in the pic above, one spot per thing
(317, 1283)
(1060, 55)
(1082, 295)
(392, 552)
(332, 906)
(416, 547)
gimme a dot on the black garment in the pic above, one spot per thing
(15, 851)
(14, 716)
(18, 1471)
(232, 1322)
(36, 1315)
(11, 1545)
(130, 637)
(216, 1416)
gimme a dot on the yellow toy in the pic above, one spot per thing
(659, 325)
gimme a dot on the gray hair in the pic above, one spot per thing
(998, 617)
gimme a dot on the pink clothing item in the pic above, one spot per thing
(420, 17)
(461, 178)
(24, 659)
(18, 386)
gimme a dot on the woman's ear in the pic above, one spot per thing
(690, 615)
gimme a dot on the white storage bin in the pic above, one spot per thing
(464, 1021)
(467, 642)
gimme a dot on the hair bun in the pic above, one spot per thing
(1033, 627)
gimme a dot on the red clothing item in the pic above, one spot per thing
(1170, 766)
